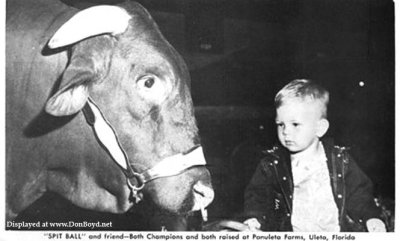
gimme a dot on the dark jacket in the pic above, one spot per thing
(268, 196)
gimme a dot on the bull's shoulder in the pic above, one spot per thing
(36, 20)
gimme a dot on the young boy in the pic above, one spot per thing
(307, 184)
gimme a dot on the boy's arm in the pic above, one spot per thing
(257, 203)
(360, 202)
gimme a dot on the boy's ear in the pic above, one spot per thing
(322, 128)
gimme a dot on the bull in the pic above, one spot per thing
(98, 110)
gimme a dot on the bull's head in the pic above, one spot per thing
(120, 60)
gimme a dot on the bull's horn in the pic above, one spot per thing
(90, 22)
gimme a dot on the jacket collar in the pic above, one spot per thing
(282, 153)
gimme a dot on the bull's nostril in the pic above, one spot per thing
(203, 195)
(203, 190)
(197, 191)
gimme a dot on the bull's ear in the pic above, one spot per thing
(73, 94)
(68, 102)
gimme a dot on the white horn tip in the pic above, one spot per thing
(90, 22)
(53, 43)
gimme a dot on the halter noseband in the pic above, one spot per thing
(169, 166)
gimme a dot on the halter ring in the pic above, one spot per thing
(140, 182)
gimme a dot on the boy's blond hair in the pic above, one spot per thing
(304, 90)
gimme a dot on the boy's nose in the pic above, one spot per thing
(284, 130)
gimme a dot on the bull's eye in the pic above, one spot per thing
(152, 88)
(149, 82)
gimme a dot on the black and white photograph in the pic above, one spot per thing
(199, 120)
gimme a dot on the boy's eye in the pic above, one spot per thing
(296, 124)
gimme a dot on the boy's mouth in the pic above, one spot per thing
(289, 143)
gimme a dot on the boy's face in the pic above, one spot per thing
(299, 125)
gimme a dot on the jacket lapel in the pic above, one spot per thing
(283, 173)
(337, 173)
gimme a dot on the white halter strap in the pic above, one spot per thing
(169, 166)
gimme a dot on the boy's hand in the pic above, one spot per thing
(253, 224)
(375, 225)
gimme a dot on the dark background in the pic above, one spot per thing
(241, 52)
